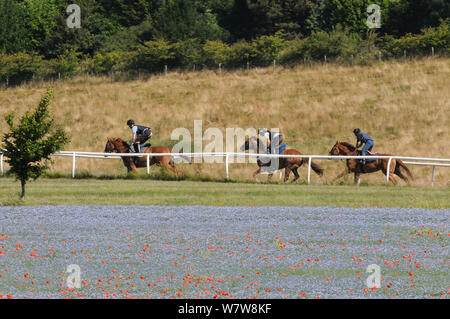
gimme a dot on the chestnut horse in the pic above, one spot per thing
(344, 148)
(117, 145)
(288, 163)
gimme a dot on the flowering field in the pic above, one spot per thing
(223, 252)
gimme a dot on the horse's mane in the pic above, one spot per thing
(119, 140)
(349, 146)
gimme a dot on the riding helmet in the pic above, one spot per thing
(356, 131)
(130, 122)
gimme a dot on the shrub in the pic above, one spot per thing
(188, 53)
(18, 67)
(66, 64)
(241, 53)
(215, 52)
(267, 49)
(154, 55)
(105, 63)
(419, 44)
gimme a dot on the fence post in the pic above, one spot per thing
(1, 163)
(165, 69)
(220, 68)
(148, 164)
(388, 169)
(309, 169)
(325, 58)
(432, 52)
(73, 164)
(432, 176)
(226, 165)
(274, 64)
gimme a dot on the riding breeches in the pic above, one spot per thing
(367, 147)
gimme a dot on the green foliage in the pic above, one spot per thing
(105, 63)
(412, 16)
(19, 67)
(154, 55)
(14, 35)
(32, 141)
(188, 53)
(215, 53)
(419, 44)
(40, 20)
(339, 45)
(267, 49)
(179, 20)
(126, 12)
(66, 64)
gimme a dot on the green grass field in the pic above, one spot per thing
(150, 192)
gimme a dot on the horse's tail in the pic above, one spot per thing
(399, 164)
(316, 168)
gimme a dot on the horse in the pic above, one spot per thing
(117, 145)
(290, 164)
(344, 148)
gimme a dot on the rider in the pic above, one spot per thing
(139, 135)
(273, 138)
(363, 138)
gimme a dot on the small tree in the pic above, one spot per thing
(32, 141)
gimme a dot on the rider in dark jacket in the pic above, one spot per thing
(363, 138)
(139, 135)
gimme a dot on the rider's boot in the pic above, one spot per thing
(361, 165)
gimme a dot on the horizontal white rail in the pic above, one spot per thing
(425, 161)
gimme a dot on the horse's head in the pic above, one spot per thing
(110, 146)
(335, 149)
(343, 148)
(115, 145)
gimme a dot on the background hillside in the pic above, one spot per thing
(127, 38)
(403, 105)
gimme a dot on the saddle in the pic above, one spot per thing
(370, 160)
(281, 149)
(140, 149)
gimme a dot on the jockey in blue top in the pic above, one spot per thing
(274, 139)
(363, 138)
(139, 135)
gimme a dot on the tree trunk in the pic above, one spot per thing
(23, 182)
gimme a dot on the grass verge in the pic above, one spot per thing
(64, 191)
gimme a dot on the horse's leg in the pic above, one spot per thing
(258, 171)
(341, 175)
(168, 164)
(391, 175)
(357, 178)
(287, 172)
(400, 174)
(130, 165)
(297, 175)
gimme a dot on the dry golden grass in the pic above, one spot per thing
(404, 106)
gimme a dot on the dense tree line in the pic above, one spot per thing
(145, 34)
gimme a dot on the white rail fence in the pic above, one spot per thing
(424, 161)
